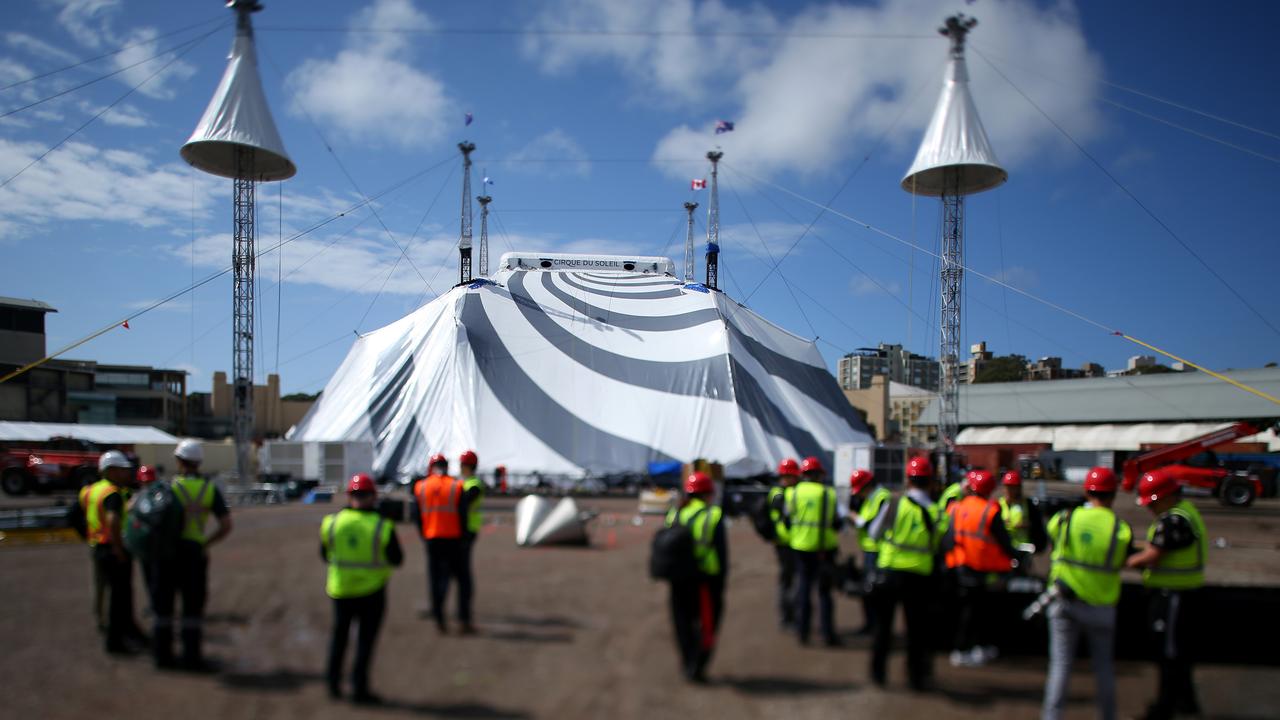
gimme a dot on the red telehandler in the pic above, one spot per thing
(1195, 466)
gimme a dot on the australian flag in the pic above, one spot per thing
(723, 126)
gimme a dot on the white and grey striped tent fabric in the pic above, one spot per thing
(571, 370)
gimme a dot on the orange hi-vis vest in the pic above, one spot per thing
(975, 547)
(438, 499)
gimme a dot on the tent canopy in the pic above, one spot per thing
(593, 365)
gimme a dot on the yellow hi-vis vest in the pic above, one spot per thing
(703, 529)
(91, 499)
(1089, 548)
(196, 496)
(355, 543)
(812, 511)
(952, 493)
(782, 534)
(1181, 569)
(868, 512)
(910, 542)
(475, 520)
(1016, 521)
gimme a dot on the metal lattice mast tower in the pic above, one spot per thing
(484, 201)
(464, 239)
(954, 160)
(689, 207)
(243, 264)
(236, 138)
(713, 224)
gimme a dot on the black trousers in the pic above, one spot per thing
(367, 612)
(114, 579)
(915, 593)
(1170, 613)
(869, 571)
(786, 584)
(696, 609)
(814, 573)
(974, 624)
(186, 573)
(449, 558)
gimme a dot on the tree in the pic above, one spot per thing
(1007, 368)
(1152, 370)
(300, 397)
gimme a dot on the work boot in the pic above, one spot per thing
(467, 629)
(365, 697)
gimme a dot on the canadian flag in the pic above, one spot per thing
(697, 184)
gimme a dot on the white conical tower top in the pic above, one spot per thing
(955, 157)
(238, 115)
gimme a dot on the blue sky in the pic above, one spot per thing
(592, 116)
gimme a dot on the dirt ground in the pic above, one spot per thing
(565, 633)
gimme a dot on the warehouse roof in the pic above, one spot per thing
(1168, 397)
(26, 304)
(100, 434)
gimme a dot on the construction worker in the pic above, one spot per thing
(104, 504)
(1172, 565)
(814, 521)
(1014, 509)
(697, 604)
(953, 492)
(981, 555)
(441, 506)
(867, 499)
(361, 548)
(1090, 545)
(472, 491)
(186, 572)
(146, 475)
(788, 475)
(910, 533)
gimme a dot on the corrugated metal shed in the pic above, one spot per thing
(1169, 397)
(100, 434)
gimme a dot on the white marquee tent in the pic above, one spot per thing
(572, 364)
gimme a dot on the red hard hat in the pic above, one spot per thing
(1011, 478)
(982, 482)
(438, 459)
(697, 483)
(146, 474)
(1156, 485)
(860, 479)
(469, 458)
(361, 482)
(1100, 479)
(811, 464)
(919, 466)
(789, 467)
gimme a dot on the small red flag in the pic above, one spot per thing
(125, 324)
(697, 184)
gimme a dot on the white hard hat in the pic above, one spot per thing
(113, 458)
(190, 450)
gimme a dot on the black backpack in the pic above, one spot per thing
(761, 520)
(672, 557)
(154, 523)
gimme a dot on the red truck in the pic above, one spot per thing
(1194, 466)
(59, 464)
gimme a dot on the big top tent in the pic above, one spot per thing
(567, 364)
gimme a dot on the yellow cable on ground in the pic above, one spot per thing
(1201, 368)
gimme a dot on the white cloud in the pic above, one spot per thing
(39, 48)
(863, 285)
(123, 115)
(82, 182)
(551, 154)
(92, 24)
(370, 90)
(813, 89)
(1018, 276)
(764, 240)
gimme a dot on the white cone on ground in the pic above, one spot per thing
(539, 522)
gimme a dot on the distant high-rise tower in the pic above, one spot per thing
(954, 160)
(484, 201)
(237, 138)
(689, 207)
(713, 224)
(464, 238)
